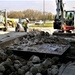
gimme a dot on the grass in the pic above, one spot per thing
(43, 25)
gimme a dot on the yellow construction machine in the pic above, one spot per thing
(3, 20)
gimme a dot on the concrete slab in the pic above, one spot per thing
(54, 49)
(57, 49)
(10, 38)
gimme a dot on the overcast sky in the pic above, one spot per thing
(50, 5)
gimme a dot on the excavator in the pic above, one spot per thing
(3, 20)
(64, 20)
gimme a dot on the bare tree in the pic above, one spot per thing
(31, 14)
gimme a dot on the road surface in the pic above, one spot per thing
(46, 29)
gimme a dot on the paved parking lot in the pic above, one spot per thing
(45, 29)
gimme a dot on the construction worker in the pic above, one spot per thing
(70, 19)
(19, 27)
(25, 24)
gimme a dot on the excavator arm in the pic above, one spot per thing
(59, 15)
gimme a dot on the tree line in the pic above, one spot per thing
(31, 14)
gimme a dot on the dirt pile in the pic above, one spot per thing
(11, 64)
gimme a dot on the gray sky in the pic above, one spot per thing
(50, 5)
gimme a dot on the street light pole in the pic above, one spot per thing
(44, 11)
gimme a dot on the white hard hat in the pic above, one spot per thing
(27, 19)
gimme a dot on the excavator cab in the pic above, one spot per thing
(69, 17)
(68, 24)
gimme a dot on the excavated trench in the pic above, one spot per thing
(38, 53)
